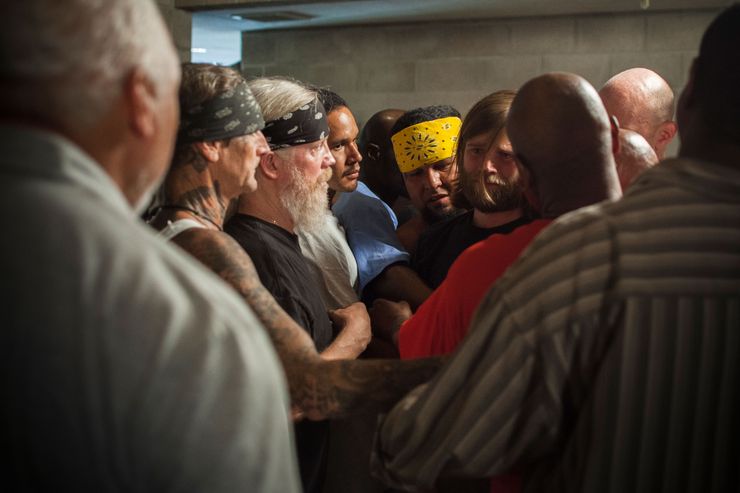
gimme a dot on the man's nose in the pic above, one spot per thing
(432, 178)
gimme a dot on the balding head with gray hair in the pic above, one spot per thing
(64, 62)
(563, 139)
(643, 102)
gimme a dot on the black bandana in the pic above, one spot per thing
(304, 125)
(230, 114)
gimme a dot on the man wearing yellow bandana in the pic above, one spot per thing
(424, 142)
(428, 144)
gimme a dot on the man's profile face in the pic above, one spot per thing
(306, 172)
(239, 159)
(313, 160)
(430, 186)
(342, 143)
(489, 175)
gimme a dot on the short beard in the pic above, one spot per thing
(432, 216)
(507, 194)
(306, 203)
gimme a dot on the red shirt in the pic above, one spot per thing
(442, 320)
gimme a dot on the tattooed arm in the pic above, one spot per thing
(320, 389)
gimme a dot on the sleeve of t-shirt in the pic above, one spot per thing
(371, 235)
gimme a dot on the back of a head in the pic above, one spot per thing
(640, 98)
(278, 96)
(560, 130)
(717, 76)
(377, 130)
(635, 156)
(379, 169)
(425, 114)
(63, 62)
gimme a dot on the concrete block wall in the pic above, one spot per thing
(180, 26)
(406, 66)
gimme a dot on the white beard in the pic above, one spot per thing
(307, 203)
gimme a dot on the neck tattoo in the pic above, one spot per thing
(195, 213)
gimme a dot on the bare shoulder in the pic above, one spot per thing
(220, 252)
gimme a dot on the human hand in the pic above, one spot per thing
(353, 324)
(387, 317)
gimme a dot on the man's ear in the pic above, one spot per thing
(139, 99)
(614, 123)
(209, 150)
(269, 166)
(666, 132)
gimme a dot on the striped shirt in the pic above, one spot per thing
(606, 359)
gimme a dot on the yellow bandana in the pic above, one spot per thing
(426, 143)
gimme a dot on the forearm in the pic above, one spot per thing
(400, 283)
(335, 389)
(346, 345)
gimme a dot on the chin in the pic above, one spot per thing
(350, 186)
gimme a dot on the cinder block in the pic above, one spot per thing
(340, 78)
(592, 67)
(391, 76)
(610, 33)
(451, 73)
(510, 72)
(682, 31)
(667, 65)
(312, 45)
(437, 40)
(259, 47)
(181, 25)
(550, 35)
(252, 71)
(474, 39)
(184, 55)
(296, 71)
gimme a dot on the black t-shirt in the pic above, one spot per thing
(443, 242)
(284, 272)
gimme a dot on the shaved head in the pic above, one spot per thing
(635, 156)
(643, 102)
(379, 170)
(561, 134)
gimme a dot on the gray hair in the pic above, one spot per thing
(279, 95)
(63, 62)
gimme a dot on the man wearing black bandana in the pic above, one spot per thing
(291, 194)
(208, 172)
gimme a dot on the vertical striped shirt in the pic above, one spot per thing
(606, 359)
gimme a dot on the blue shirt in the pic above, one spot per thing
(371, 232)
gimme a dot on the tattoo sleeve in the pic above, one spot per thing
(320, 389)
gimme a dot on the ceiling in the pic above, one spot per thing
(217, 23)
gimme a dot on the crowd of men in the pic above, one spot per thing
(219, 284)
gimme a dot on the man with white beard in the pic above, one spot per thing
(291, 195)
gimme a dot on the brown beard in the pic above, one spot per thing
(507, 194)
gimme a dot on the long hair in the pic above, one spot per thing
(487, 116)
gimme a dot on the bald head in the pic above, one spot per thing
(643, 102)
(379, 170)
(634, 156)
(560, 131)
